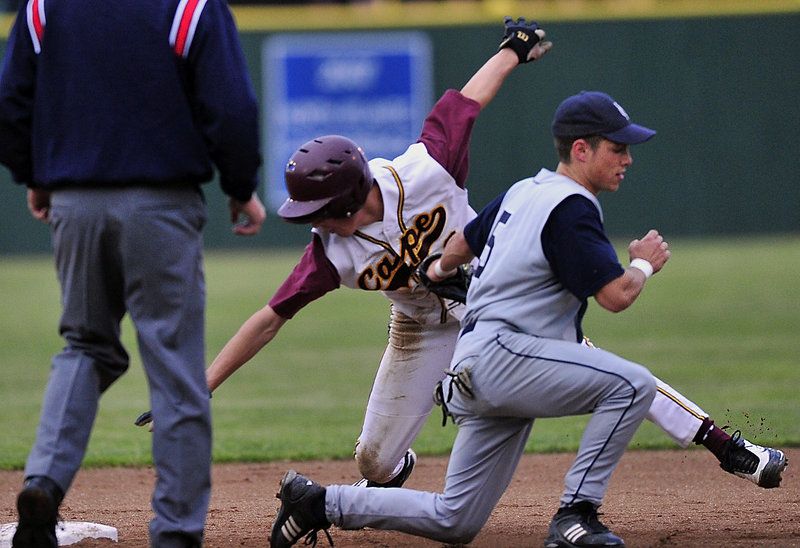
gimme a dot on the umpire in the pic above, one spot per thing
(114, 114)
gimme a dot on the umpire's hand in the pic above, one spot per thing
(247, 217)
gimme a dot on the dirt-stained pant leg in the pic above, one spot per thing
(401, 397)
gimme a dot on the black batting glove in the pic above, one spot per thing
(145, 419)
(524, 38)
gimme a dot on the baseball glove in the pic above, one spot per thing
(454, 288)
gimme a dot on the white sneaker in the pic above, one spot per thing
(761, 465)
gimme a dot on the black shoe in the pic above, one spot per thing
(37, 504)
(296, 516)
(577, 526)
(408, 466)
(763, 466)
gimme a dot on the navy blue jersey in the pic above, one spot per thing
(159, 97)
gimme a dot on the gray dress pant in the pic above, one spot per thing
(136, 250)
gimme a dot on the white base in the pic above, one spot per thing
(67, 532)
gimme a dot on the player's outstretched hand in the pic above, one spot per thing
(145, 418)
(525, 38)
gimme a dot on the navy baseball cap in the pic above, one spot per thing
(595, 113)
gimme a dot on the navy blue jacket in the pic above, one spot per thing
(100, 92)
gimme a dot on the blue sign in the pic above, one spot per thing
(375, 88)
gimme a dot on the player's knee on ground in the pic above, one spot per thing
(370, 465)
(463, 533)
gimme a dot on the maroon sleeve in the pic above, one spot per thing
(447, 130)
(311, 278)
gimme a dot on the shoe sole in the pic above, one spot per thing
(771, 476)
(405, 473)
(563, 543)
(36, 527)
(287, 479)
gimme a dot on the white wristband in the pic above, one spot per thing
(437, 269)
(643, 265)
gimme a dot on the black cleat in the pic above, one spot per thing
(577, 526)
(37, 504)
(761, 465)
(296, 516)
(408, 466)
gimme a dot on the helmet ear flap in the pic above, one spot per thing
(347, 206)
(327, 176)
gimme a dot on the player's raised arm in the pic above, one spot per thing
(521, 43)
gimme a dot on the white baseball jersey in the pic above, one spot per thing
(424, 202)
(422, 207)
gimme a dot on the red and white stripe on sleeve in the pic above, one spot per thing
(36, 21)
(184, 25)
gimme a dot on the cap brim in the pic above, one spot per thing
(632, 134)
(297, 211)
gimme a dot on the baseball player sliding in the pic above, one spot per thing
(373, 223)
(542, 253)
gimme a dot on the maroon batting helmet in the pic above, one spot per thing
(326, 177)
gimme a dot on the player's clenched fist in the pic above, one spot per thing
(652, 248)
(525, 38)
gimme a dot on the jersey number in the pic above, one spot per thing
(487, 252)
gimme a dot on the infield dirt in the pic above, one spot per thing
(656, 498)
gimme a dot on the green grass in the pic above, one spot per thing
(719, 324)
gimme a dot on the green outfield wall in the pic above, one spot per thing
(720, 81)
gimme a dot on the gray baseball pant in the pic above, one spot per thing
(516, 378)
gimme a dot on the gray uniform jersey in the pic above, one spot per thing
(514, 282)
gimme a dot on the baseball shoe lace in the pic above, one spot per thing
(579, 526)
(409, 461)
(763, 466)
(296, 515)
